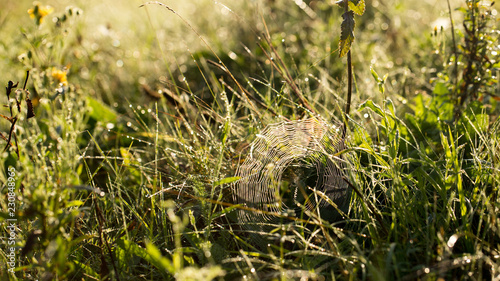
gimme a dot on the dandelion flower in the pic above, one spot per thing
(60, 76)
(38, 12)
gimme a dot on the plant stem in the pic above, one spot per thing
(349, 82)
(349, 91)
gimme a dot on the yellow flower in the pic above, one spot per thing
(60, 76)
(38, 12)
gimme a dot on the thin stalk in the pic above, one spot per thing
(455, 71)
(349, 81)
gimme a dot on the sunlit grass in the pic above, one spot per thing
(144, 114)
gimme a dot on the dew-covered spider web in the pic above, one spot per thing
(287, 166)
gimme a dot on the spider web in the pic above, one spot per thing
(286, 163)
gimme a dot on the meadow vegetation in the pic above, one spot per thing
(125, 126)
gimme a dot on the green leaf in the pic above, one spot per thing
(101, 112)
(380, 81)
(74, 203)
(156, 258)
(389, 104)
(226, 181)
(357, 6)
(481, 122)
(374, 74)
(10, 161)
(368, 149)
(346, 33)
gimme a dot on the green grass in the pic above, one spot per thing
(126, 172)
